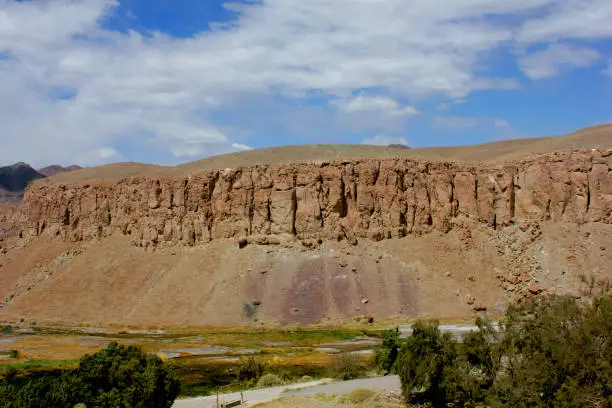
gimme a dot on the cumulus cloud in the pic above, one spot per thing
(501, 123)
(547, 63)
(384, 105)
(100, 155)
(569, 19)
(241, 146)
(167, 90)
(384, 140)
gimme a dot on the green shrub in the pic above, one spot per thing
(557, 352)
(13, 354)
(269, 380)
(117, 376)
(126, 376)
(427, 365)
(278, 370)
(385, 354)
(554, 353)
(250, 369)
(348, 367)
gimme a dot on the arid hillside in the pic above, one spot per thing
(599, 136)
(313, 234)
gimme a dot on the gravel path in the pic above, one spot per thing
(390, 382)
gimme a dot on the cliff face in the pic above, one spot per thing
(9, 219)
(465, 238)
(373, 199)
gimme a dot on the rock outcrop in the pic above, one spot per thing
(372, 199)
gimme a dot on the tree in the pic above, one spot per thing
(117, 376)
(557, 352)
(385, 354)
(427, 365)
(127, 377)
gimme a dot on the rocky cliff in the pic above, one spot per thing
(374, 199)
(391, 238)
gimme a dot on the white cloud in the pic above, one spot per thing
(548, 62)
(241, 146)
(100, 155)
(444, 106)
(501, 123)
(190, 142)
(608, 70)
(383, 105)
(384, 140)
(570, 19)
(165, 88)
(107, 153)
(455, 122)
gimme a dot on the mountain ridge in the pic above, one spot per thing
(311, 241)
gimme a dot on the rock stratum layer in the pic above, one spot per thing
(318, 242)
(373, 199)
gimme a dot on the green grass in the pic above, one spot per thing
(39, 364)
(200, 375)
(299, 337)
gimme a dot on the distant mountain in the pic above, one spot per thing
(55, 169)
(15, 178)
(398, 146)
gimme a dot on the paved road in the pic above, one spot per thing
(391, 383)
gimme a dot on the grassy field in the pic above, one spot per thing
(38, 365)
(292, 352)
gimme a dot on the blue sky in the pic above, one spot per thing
(161, 81)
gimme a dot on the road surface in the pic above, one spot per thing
(390, 383)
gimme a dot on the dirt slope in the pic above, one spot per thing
(55, 170)
(318, 242)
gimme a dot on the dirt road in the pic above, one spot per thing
(388, 383)
(252, 397)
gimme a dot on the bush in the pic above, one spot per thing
(554, 352)
(386, 353)
(426, 364)
(126, 376)
(557, 353)
(269, 380)
(274, 367)
(348, 367)
(117, 376)
(250, 369)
